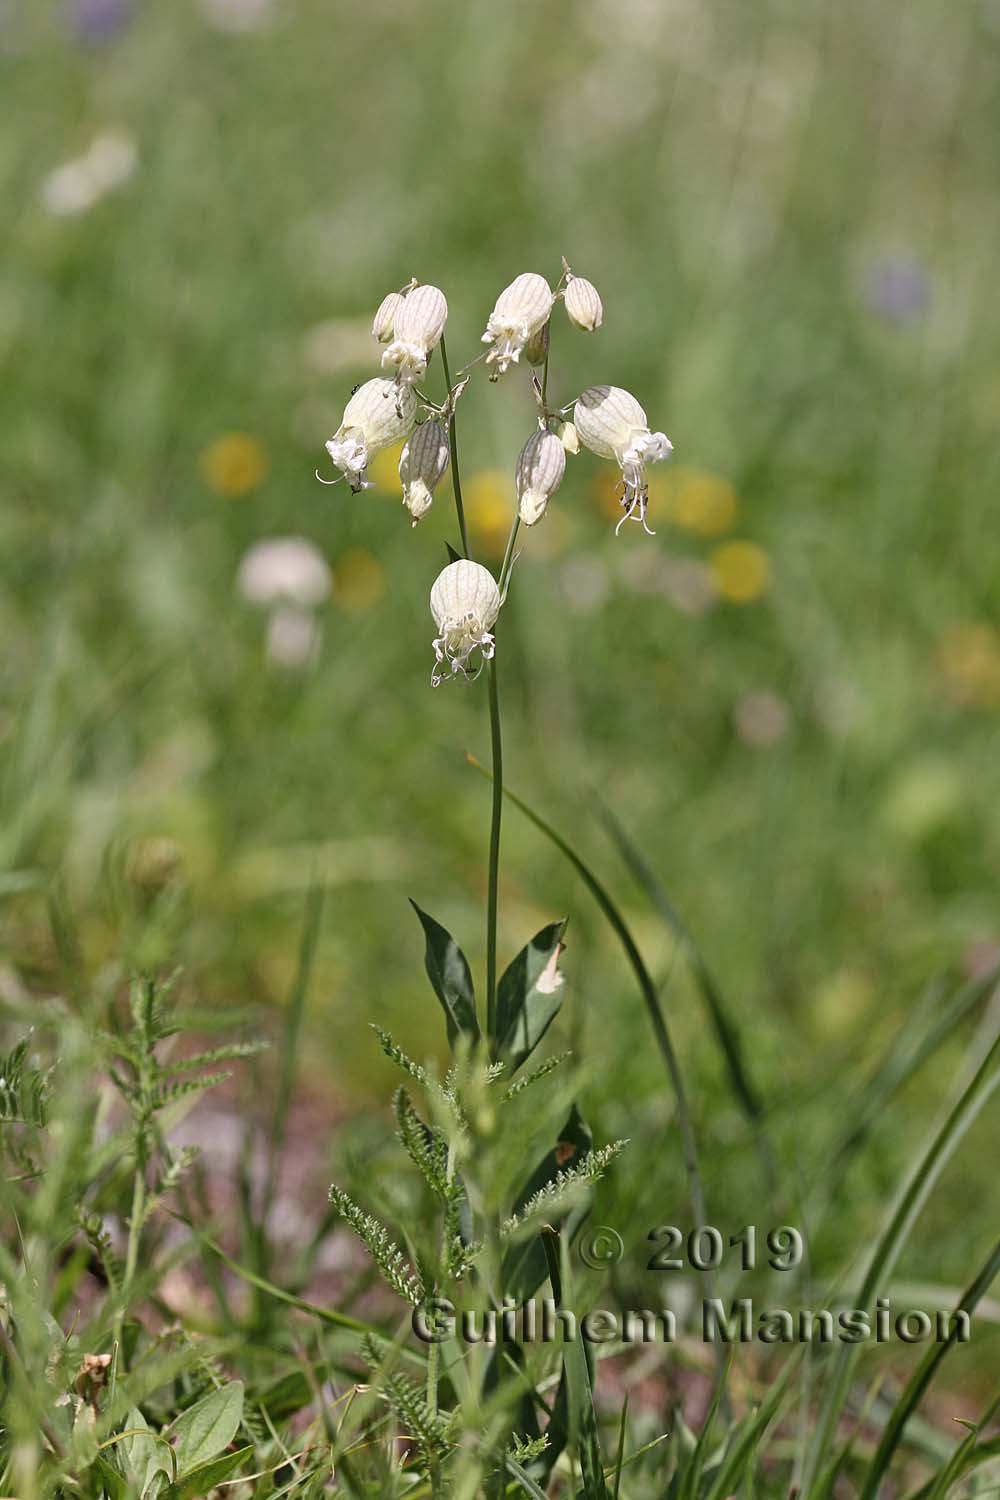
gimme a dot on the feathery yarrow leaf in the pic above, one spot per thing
(381, 1247)
(550, 1199)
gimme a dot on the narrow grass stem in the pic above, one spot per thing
(496, 743)
(456, 477)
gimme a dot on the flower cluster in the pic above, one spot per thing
(466, 599)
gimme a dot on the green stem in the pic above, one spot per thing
(456, 478)
(494, 868)
(134, 1234)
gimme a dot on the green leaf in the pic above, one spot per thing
(204, 1477)
(143, 1453)
(524, 1266)
(208, 1427)
(453, 556)
(583, 1418)
(449, 974)
(529, 995)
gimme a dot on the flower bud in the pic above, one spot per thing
(522, 310)
(568, 436)
(612, 424)
(421, 465)
(417, 328)
(537, 347)
(382, 324)
(378, 414)
(540, 470)
(583, 304)
(465, 602)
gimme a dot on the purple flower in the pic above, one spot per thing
(98, 21)
(897, 288)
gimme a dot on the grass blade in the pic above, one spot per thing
(922, 1377)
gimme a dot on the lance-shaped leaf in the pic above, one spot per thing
(524, 1265)
(529, 995)
(448, 972)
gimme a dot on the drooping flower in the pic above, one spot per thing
(465, 602)
(583, 304)
(378, 414)
(418, 324)
(540, 470)
(612, 424)
(385, 316)
(284, 570)
(422, 464)
(521, 312)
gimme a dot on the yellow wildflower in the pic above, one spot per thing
(234, 464)
(741, 571)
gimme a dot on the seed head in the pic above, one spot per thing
(378, 414)
(583, 304)
(382, 326)
(422, 464)
(522, 310)
(540, 470)
(612, 424)
(417, 328)
(465, 602)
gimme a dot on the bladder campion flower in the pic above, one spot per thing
(378, 414)
(385, 317)
(521, 312)
(284, 570)
(422, 464)
(465, 602)
(612, 424)
(418, 324)
(540, 470)
(583, 304)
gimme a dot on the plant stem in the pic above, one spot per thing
(456, 478)
(494, 868)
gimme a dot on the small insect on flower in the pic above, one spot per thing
(540, 470)
(418, 324)
(521, 312)
(385, 317)
(583, 304)
(612, 424)
(379, 413)
(422, 464)
(465, 602)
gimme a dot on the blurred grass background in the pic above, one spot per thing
(790, 696)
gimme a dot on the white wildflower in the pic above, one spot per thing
(378, 414)
(522, 310)
(540, 470)
(284, 570)
(385, 317)
(77, 185)
(612, 424)
(418, 324)
(583, 304)
(422, 464)
(465, 602)
(293, 637)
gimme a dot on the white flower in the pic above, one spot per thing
(540, 470)
(378, 414)
(612, 424)
(521, 312)
(583, 304)
(293, 637)
(77, 185)
(422, 464)
(418, 324)
(284, 570)
(465, 602)
(385, 316)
